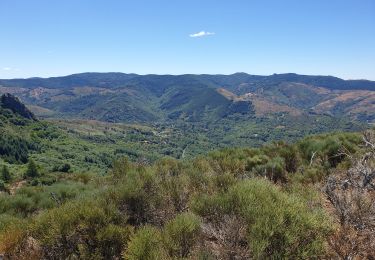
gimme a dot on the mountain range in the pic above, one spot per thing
(119, 97)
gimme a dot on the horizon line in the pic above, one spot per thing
(183, 74)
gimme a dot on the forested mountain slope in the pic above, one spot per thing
(118, 97)
(88, 189)
(89, 145)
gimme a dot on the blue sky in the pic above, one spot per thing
(51, 37)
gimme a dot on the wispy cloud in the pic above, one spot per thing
(201, 34)
(9, 69)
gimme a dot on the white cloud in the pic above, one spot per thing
(201, 34)
(7, 68)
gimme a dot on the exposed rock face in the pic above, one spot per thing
(8, 101)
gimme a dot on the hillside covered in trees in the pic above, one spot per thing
(120, 97)
(312, 198)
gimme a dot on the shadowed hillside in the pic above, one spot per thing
(8, 101)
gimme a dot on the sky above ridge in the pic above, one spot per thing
(52, 38)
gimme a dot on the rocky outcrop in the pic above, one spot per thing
(8, 101)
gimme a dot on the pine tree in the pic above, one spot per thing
(32, 170)
(5, 174)
(2, 185)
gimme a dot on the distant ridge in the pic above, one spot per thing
(118, 78)
(120, 97)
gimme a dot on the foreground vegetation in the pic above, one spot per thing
(102, 191)
(246, 203)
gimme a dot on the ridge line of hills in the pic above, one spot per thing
(324, 80)
(120, 97)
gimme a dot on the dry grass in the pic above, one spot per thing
(264, 107)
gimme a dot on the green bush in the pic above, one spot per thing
(223, 182)
(168, 167)
(145, 244)
(329, 148)
(310, 175)
(25, 202)
(181, 234)
(212, 207)
(137, 193)
(121, 167)
(112, 239)
(62, 168)
(80, 228)
(280, 225)
(256, 160)
(5, 174)
(274, 170)
(32, 170)
(291, 157)
(2, 185)
(29, 200)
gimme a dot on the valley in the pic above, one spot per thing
(118, 97)
(103, 165)
(91, 119)
(187, 130)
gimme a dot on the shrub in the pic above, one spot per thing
(255, 161)
(212, 207)
(279, 225)
(2, 185)
(5, 174)
(47, 179)
(11, 239)
(136, 193)
(181, 234)
(222, 182)
(291, 157)
(76, 228)
(310, 175)
(32, 170)
(121, 167)
(112, 240)
(228, 161)
(175, 190)
(25, 202)
(145, 244)
(274, 170)
(62, 168)
(168, 167)
(328, 147)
